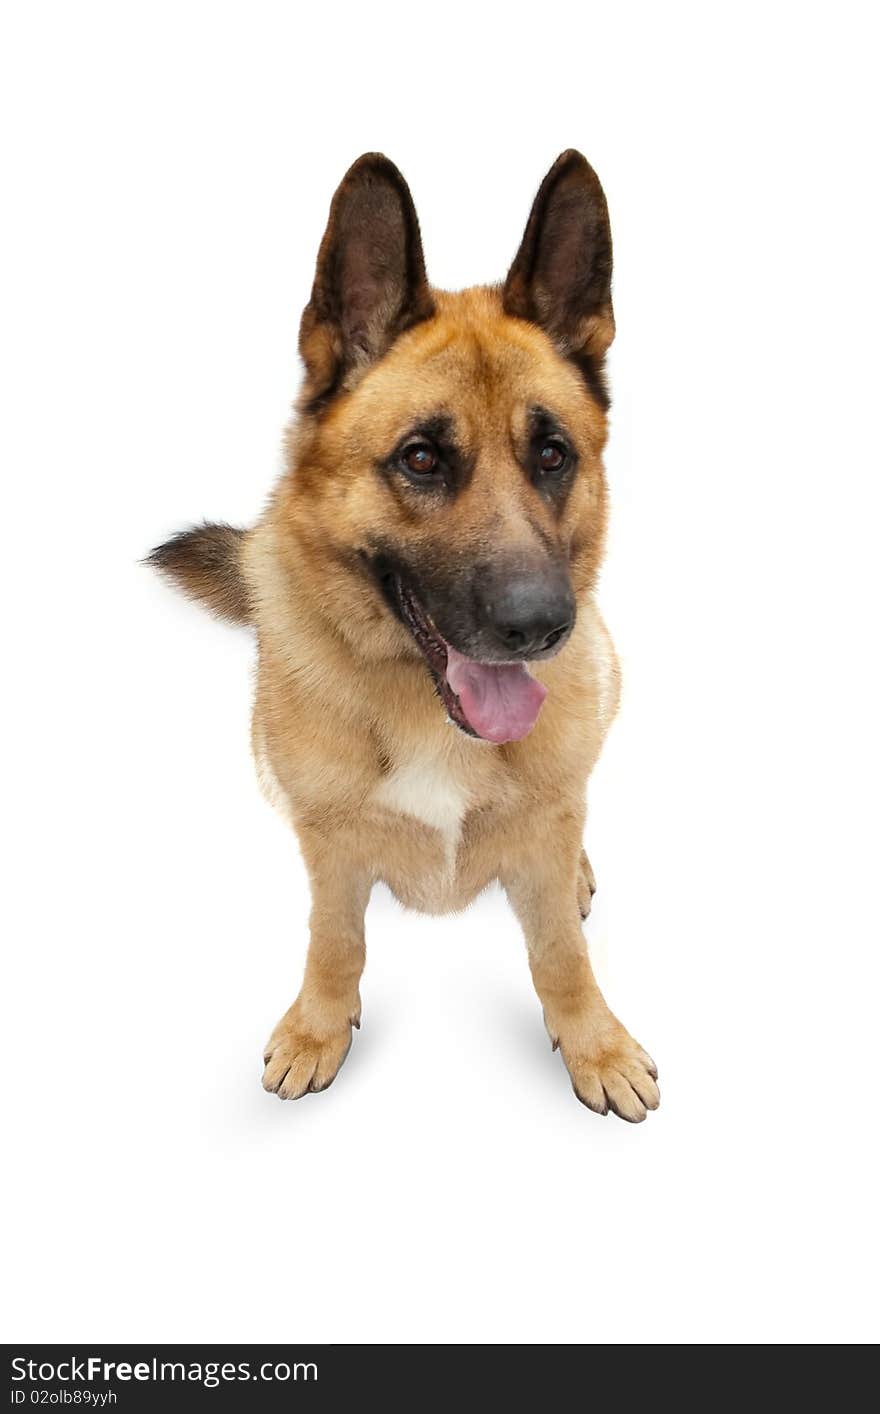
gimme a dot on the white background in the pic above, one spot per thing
(167, 173)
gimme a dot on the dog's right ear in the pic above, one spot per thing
(370, 283)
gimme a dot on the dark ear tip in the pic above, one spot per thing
(570, 162)
(373, 164)
(571, 157)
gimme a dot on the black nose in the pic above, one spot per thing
(531, 615)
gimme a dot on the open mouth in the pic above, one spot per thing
(498, 702)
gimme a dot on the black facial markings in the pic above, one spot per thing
(314, 406)
(543, 423)
(399, 586)
(548, 475)
(388, 570)
(593, 375)
(384, 568)
(439, 428)
(450, 469)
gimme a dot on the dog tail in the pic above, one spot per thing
(205, 562)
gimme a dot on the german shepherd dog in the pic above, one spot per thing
(434, 679)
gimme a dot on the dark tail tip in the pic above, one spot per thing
(205, 562)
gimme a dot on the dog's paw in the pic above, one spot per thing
(610, 1071)
(586, 885)
(299, 1060)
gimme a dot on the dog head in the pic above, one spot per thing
(446, 488)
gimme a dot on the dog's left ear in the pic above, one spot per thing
(561, 277)
(370, 283)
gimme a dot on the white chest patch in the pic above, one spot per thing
(426, 789)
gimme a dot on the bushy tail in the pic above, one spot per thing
(205, 563)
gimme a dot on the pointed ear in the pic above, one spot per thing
(370, 283)
(561, 277)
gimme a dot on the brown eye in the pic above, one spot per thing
(552, 457)
(420, 459)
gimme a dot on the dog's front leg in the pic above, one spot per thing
(312, 1039)
(609, 1070)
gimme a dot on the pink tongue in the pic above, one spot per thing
(500, 700)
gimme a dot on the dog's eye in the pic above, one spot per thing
(552, 457)
(420, 459)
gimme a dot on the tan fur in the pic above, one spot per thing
(350, 737)
(344, 704)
